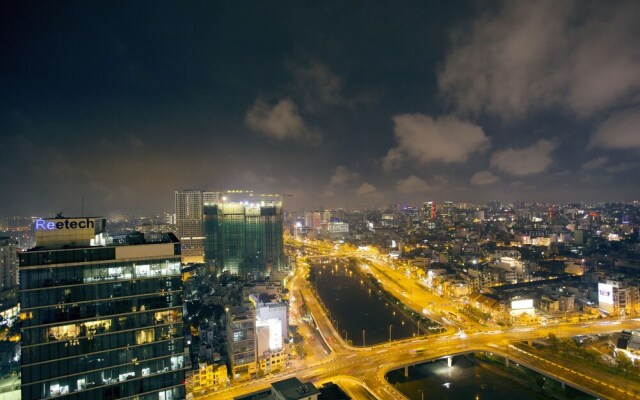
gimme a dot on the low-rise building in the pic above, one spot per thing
(206, 377)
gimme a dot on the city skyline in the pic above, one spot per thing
(336, 105)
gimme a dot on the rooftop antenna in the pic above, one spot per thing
(82, 208)
(59, 214)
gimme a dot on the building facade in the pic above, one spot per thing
(8, 263)
(241, 343)
(244, 232)
(206, 377)
(101, 321)
(189, 224)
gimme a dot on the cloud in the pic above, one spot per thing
(527, 161)
(135, 141)
(595, 163)
(341, 176)
(425, 139)
(412, 185)
(620, 131)
(529, 55)
(483, 178)
(281, 121)
(622, 167)
(366, 189)
(319, 87)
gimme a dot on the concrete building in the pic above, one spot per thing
(272, 331)
(206, 377)
(618, 297)
(189, 224)
(241, 343)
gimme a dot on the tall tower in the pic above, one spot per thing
(189, 224)
(8, 263)
(101, 317)
(243, 232)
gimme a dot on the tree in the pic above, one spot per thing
(623, 361)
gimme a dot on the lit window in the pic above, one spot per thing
(63, 332)
(145, 336)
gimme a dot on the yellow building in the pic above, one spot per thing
(206, 377)
(272, 360)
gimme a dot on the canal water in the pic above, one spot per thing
(474, 379)
(356, 305)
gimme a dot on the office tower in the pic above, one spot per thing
(8, 263)
(243, 232)
(101, 316)
(189, 218)
(241, 342)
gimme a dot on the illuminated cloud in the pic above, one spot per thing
(620, 131)
(366, 189)
(412, 185)
(425, 139)
(533, 55)
(527, 161)
(483, 178)
(341, 176)
(281, 122)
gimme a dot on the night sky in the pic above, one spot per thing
(339, 104)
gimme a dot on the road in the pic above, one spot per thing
(366, 367)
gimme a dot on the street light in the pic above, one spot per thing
(390, 332)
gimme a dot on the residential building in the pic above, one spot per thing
(206, 377)
(241, 343)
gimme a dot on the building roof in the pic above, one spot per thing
(294, 389)
(132, 239)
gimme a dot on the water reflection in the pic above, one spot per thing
(359, 310)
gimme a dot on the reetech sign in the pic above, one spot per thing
(74, 223)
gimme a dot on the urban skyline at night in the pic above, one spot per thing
(106, 109)
(320, 200)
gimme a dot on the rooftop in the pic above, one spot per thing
(294, 389)
(131, 239)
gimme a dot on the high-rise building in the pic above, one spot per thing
(8, 263)
(243, 232)
(241, 342)
(189, 224)
(101, 316)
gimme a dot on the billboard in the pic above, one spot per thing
(519, 307)
(521, 304)
(605, 297)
